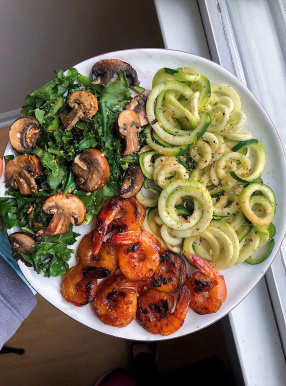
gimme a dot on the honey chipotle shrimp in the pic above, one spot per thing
(115, 303)
(154, 312)
(80, 284)
(117, 214)
(138, 256)
(106, 259)
(207, 287)
(172, 272)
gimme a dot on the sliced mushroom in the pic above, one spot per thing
(132, 182)
(84, 105)
(138, 105)
(21, 243)
(21, 172)
(66, 209)
(91, 169)
(106, 71)
(128, 128)
(24, 133)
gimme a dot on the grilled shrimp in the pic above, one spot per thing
(207, 287)
(79, 284)
(172, 272)
(107, 257)
(154, 312)
(117, 214)
(138, 256)
(115, 303)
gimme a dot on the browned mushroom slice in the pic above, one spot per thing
(128, 128)
(138, 105)
(24, 133)
(21, 172)
(21, 243)
(84, 105)
(106, 71)
(91, 169)
(132, 183)
(66, 209)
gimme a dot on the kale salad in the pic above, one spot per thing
(56, 149)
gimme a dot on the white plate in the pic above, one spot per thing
(240, 279)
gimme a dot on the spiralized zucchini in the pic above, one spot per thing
(222, 247)
(168, 169)
(217, 205)
(258, 208)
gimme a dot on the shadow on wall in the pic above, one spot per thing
(38, 37)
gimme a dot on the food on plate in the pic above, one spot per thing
(21, 172)
(79, 285)
(115, 302)
(154, 312)
(56, 149)
(265, 199)
(207, 287)
(107, 71)
(24, 133)
(91, 169)
(132, 182)
(201, 164)
(218, 242)
(138, 105)
(66, 209)
(128, 126)
(117, 214)
(171, 273)
(171, 176)
(22, 243)
(84, 106)
(107, 257)
(138, 256)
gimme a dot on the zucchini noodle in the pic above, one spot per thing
(227, 117)
(267, 202)
(226, 90)
(222, 242)
(207, 150)
(163, 128)
(217, 205)
(163, 147)
(146, 227)
(232, 161)
(149, 202)
(200, 175)
(173, 193)
(168, 169)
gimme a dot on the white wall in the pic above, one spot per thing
(37, 37)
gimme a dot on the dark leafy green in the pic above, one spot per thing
(56, 149)
(13, 212)
(52, 254)
(116, 93)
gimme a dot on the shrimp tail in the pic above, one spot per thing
(183, 302)
(98, 238)
(118, 214)
(124, 238)
(204, 266)
(107, 213)
(208, 281)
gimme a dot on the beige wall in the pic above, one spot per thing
(37, 37)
